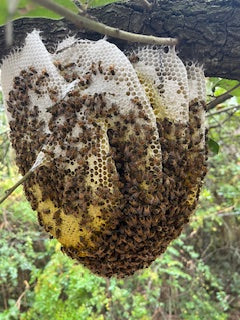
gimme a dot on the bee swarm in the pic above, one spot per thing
(123, 139)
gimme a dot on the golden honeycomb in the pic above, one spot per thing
(123, 139)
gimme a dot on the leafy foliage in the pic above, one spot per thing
(26, 8)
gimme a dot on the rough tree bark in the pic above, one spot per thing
(208, 30)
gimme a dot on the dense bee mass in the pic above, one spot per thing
(123, 144)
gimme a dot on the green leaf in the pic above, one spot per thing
(228, 85)
(213, 146)
(99, 3)
(27, 8)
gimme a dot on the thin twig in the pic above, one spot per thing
(146, 4)
(4, 132)
(207, 248)
(223, 110)
(222, 123)
(4, 295)
(41, 160)
(223, 97)
(79, 5)
(225, 212)
(10, 191)
(5, 224)
(220, 99)
(84, 22)
(109, 296)
(19, 300)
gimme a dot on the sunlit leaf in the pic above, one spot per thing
(228, 85)
(213, 146)
(28, 9)
(99, 3)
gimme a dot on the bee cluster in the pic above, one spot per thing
(123, 139)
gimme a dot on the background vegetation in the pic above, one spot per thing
(197, 278)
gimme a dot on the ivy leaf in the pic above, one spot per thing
(213, 146)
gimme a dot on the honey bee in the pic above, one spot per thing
(88, 77)
(48, 152)
(133, 58)
(46, 211)
(58, 221)
(134, 203)
(72, 153)
(112, 69)
(45, 73)
(48, 228)
(82, 82)
(58, 65)
(131, 117)
(40, 220)
(69, 65)
(58, 233)
(52, 91)
(37, 91)
(100, 68)
(32, 69)
(135, 100)
(93, 68)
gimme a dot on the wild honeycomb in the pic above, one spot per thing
(123, 145)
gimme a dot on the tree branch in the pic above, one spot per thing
(4, 132)
(223, 97)
(222, 123)
(10, 191)
(224, 110)
(208, 31)
(18, 302)
(220, 99)
(39, 161)
(147, 5)
(84, 22)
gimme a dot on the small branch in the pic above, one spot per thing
(226, 212)
(5, 224)
(220, 99)
(225, 120)
(109, 296)
(84, 22)
(147, 5)
(4, 294)
(206, 249)
(10, 191)
(39, 161)
(4, 132)
(19, 300)
(79, 5)
(223, 110)
(230, 214)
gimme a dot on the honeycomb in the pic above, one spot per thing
(121, 137)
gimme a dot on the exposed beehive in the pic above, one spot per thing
(123, 142)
